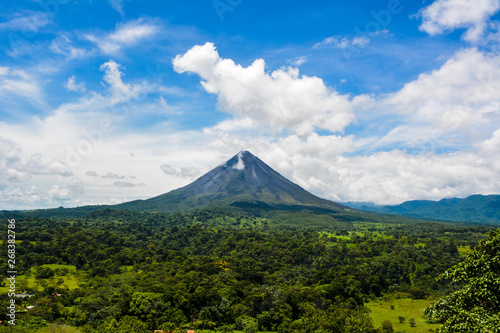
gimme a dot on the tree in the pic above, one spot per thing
(401, 319)
(144, 304)
(412, 322)
(386, 327)
(247, 324)
(131, 324)
(148, 307)
(339, 318)
(476, 306)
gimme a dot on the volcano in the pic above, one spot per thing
(242, 180)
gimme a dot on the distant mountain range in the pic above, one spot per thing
(475, 208)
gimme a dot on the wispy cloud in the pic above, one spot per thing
(118, 6)
(298, 61)
(341, 42)
(65, 46)
(126, 35)
(120, 90)
(73, 85)
(28, 22)
(111, 175)
(185, 172)
(18, 86)
(125, 184)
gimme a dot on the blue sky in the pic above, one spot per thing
(381, 101)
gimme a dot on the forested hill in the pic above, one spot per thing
(475, 208)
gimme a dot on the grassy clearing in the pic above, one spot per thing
(363, 234)
(58, 266)
(51, 328)
(59, 329)
(17, 241)
(464, 250)
(328, 234)
(404, 307)
(70, 280)
(378, 236)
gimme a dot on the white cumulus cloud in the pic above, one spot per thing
(462, 98)
(36, 166)
(282, 98)
(448, 15)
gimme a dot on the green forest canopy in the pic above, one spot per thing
(223, 271)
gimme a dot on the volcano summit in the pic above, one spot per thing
(242, 180)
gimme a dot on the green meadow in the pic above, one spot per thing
(65, 276)
(404, 307)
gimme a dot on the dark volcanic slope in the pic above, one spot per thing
(242, 179)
